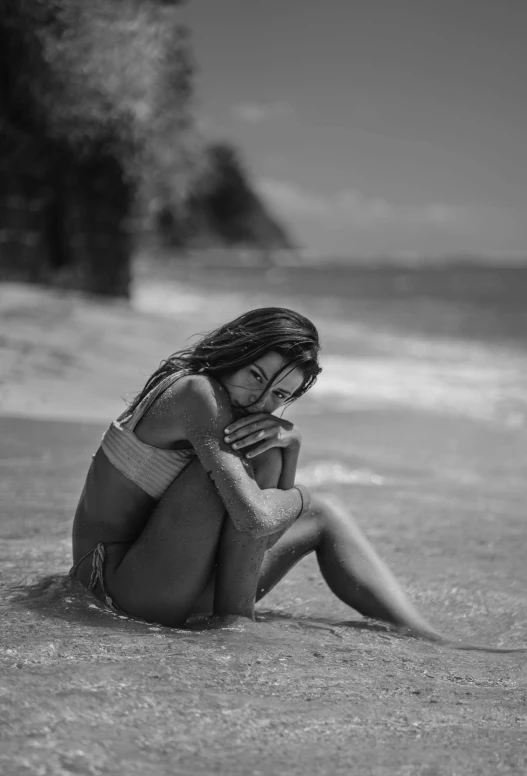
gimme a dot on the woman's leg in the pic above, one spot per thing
(240, 556)
(348, 563)
(168, 572)
(165, 570)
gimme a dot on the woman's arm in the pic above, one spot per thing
(255, 434)
(205, 411)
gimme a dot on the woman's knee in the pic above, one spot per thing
(329, 511)
(268, 467)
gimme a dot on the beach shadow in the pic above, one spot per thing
(58, 597)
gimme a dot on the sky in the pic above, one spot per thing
(374, 127)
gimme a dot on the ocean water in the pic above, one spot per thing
(448, 340)
(424, 381)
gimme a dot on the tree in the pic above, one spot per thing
(95, 126)
(225, 203)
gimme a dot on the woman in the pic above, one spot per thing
(190, 504)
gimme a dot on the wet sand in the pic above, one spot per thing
(309, 688)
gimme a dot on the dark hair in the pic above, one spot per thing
(241, 342)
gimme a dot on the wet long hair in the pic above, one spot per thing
(241, 342)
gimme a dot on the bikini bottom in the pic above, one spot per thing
(97, 575)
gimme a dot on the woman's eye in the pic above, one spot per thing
(279, 396)
(257, 376)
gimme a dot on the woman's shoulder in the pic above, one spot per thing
(199, 392)
(192, 401)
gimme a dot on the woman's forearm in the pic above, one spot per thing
(285, 509)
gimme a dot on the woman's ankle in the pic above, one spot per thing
(237, 608)
(216, 621)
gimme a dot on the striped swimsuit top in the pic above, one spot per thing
(152, 468)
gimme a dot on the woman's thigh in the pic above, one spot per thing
(166, 569)
(284, 550)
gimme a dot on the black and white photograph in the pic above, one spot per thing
(263, 387)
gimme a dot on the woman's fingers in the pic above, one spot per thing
(252, 428)
(241, 423)
(259, 450)
(247, 432)
(250, 440)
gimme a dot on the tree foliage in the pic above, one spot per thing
(115, 78)
(112, 73)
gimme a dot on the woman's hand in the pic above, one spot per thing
(264, 431)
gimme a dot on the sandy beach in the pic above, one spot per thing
(422, 432)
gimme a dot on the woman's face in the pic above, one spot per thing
(251, 386)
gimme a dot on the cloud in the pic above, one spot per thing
(256, 113)
(290, 199)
